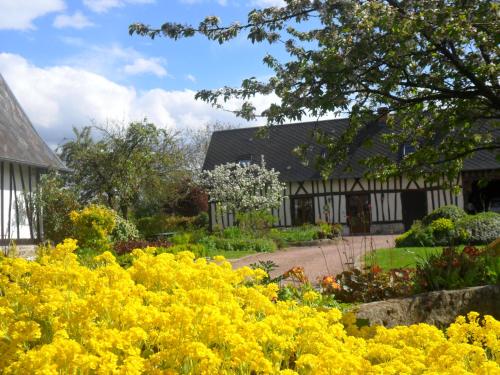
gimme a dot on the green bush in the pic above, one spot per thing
(481, 228)
(255, 220)
(201, 221)
(455, 269)
(92, 227)
(151, 226)
(183, 238)
(260, 245)
(443, 231)
(124, 230)
(450, 212)
(418, 235)
(232, 232)
(56, 203)
(296, 234)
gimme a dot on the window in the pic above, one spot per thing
(408, 149)
(245, 160)
(302, 211)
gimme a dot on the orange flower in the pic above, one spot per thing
(328, 282)
(297, 273)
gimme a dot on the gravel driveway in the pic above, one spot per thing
(320, 261)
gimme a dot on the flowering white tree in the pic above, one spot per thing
(244, 188)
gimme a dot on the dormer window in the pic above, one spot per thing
(408, 149)
(245, 160)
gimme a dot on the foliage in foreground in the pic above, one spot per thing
(449, 225)
(455, 269)
(434, 64)
(176, 314)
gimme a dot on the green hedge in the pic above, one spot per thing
(150, 226)
(449, 227)
(260, 245)
(481, 228)
(451, 212)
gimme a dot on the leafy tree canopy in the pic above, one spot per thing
(124, 165)
(433, 64)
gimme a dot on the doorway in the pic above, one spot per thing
(302, 211)
(414, 204)
(358, 213)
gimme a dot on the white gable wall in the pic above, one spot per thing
(17, 213)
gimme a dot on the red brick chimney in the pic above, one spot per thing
(382, 113)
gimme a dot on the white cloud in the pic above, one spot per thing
(142, 65)
(102, 6)
(20, 14)
(191, 77)
(113, 61)
(77, 21)
(59, 97)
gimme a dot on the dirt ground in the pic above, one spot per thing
(320, 261)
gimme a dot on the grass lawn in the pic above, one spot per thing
(400, 257)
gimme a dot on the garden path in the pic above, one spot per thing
(320, 261)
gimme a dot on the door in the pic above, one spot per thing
(302, 211)
(358, 213)
(414, 204)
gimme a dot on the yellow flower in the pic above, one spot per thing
(173, 314)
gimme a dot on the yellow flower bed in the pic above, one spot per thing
(172, 314)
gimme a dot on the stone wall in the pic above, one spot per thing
(438, 308)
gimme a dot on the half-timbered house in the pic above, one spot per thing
(24, 156)
(362, 205)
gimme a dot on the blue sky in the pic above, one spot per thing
(71, 62)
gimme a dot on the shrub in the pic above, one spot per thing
(232, 232)
(255, 220)
(296, 234)
(329, 230)
(173, 314)
(124, 230)
(182, 238)
(454, 269)
(451, 212)
(201, 221)
(56, 203)
(92, 226)
(151, 226)
(260, 245)
(481, 228)
(443, 231)
(418, 235)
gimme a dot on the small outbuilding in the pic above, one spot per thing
(24, 157)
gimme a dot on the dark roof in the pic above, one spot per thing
(19, 141)
(280, 141)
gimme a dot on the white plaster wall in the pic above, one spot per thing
(9, 201)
